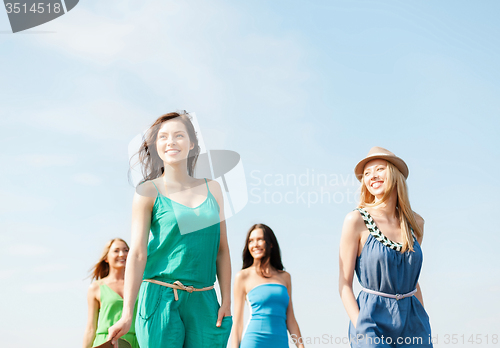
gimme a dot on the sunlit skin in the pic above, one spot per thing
(250, 277)
(355, 233)
(117, 255)
(374, 177)
(173, 145)
(116, 258)
(257, 245)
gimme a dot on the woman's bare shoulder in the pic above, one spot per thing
(214, 185)
(147, 189)
(95, 286)
(354, 221)
(243, 274)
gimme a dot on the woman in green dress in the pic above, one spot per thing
(179, 246)
(105, 295)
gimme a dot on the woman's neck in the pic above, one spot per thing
(176, 173)
(265, 267)
(116, 274)
(388, 208)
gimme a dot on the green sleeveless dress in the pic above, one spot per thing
(109, 313)
(183, 247)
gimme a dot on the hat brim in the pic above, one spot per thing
(398, 162)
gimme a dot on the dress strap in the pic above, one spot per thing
(375, 232)
(207, 185)
(155, 187)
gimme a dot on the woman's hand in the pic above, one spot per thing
(116, 331)
(224, 311)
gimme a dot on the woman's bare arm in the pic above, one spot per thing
(93, 314)
(223, 257)
(349, 244)
(136, 260)
(239, 308)
(291, 322)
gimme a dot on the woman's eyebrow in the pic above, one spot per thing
(179, 131)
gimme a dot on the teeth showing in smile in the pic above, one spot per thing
(376, 184)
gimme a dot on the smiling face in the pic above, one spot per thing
(117, 254)
(257, 244)
(375, 177)
(173, 143)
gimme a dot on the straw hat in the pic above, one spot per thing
(381, 153)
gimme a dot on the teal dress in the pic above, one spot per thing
(183, 247)
(109, 313)
(386, 322)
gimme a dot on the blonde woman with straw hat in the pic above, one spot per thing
(381, 242)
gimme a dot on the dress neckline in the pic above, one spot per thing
(266, 284)
(183, 205)
(377, 233)
(117, 294)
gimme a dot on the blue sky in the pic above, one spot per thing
(296, 88)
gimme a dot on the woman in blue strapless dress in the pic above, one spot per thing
(267, 288)
(381, 243)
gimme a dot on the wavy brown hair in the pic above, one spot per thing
(151, 163)
(101, 268)
(395, 181)
(273, 253)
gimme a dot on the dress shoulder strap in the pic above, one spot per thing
(155, 187)
(376, 233)
(206, 182)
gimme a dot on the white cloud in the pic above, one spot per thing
(87, 179)
(173, 50)
(51, 287)
(6, 273)
(15, 202)
(46, 160)
(50, 268)
(27, 250)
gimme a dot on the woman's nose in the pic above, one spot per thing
(170, 140)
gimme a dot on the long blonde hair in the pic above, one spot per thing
(395, 180)
(101, 268)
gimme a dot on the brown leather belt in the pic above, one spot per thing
(177, 285)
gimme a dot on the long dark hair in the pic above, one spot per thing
(151, 163)
(273, 253)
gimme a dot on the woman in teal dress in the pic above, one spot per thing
(105, 295)
(267, 287)
(179, 246)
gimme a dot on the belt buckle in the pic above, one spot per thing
(399, 297)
